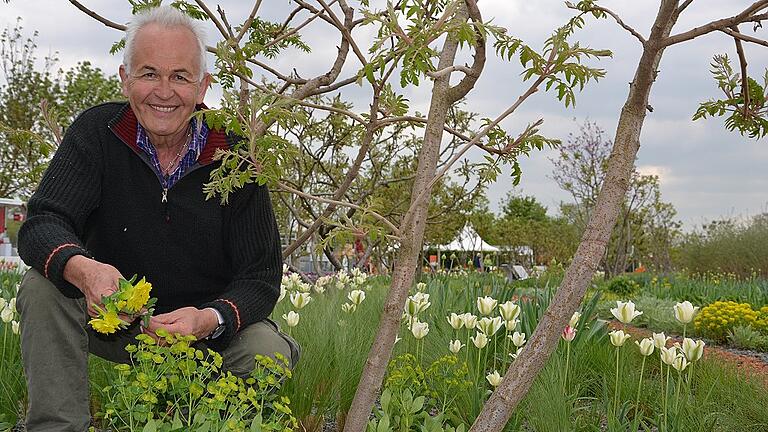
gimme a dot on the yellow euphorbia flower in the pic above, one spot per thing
(108, 322)
(139, 296)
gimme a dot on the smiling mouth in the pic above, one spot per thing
(163, 108)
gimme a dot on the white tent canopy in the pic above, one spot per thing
(468, 240)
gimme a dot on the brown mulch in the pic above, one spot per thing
(749, 365)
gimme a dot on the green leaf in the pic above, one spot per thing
(151, 426)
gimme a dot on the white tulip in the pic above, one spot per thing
(292, 318)
(356, 296)
(421, 286)
(300, 299)
(486, 305)
(574, 321)
(15, 327)
(685, 311)
(349, 307)
(625, 312)
(618, 337)
(282, 293)
(494, 378)
(511, 325)
(455, 346)
(3, 302)
(480, 340)
(470, 321)
(419, 329)
(668, 355)
(7, 314)
(489, 326)
(680, 363)
(12, 304)
(455, 321)
(646, 346)
(509, 310)
(660, 340)
(518, 339)
(693, 350)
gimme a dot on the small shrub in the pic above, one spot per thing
(622, 286)
(716, 319)
(745, 337)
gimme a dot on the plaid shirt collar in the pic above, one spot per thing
(199, 137)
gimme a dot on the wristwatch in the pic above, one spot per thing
(220, 328)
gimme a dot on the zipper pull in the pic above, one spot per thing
(165, 195)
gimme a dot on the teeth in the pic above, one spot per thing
(163, 109)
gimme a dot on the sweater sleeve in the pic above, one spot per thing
(58, 210)
(254, 248)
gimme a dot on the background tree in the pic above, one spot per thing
(580, 169)
(27, 132)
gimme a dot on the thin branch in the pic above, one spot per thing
(248, 22)
(293, 211)
(223, 16)
(745, 38)
(213, 18)
(295, 29)
(461, 89)
(624, 25)
(97, 17)
(376, 216)
(744, 74)
(747, 15)
(682, 7)
(448, 70)
(346, 31)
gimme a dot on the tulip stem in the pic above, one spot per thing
(567, 361)
(616, 385)
(677, 399)
(637, 399)
(506, 348)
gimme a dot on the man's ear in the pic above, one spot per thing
(123, 80)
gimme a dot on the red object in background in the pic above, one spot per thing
(18, 217)
(2, 219)
(433, 259)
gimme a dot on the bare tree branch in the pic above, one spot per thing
(747, 15)
(744, 74)
(213, 18)
(97, 17)
(682, 7)
(448, 70)
(745, 38)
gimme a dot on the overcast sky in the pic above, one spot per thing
(705, 171)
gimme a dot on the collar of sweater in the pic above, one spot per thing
(124, 125)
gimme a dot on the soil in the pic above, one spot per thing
(750, 363)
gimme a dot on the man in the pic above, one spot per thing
(123, 196)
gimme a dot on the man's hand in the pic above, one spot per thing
(185, 321)
(95, 279)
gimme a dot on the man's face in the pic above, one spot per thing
(163, 85)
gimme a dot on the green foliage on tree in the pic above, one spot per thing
(35, 104)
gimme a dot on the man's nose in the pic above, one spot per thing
(163, 89)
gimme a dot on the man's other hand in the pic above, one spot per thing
(185, 321)
(95, 279)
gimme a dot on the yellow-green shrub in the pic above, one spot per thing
(716, 319)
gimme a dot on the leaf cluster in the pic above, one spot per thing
(746, 109)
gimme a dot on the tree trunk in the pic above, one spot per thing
(534, 356)
(406, 261)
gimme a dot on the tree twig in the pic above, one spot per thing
(744, 74)
(747, 15)
(745, 38)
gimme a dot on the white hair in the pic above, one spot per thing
(166, 17)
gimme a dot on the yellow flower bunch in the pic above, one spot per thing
(716, 319)
(130, 299)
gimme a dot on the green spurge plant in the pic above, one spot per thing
(173, 386)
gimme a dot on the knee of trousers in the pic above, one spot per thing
(261, 338)
(38, 298)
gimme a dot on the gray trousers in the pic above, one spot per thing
(56, 340)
